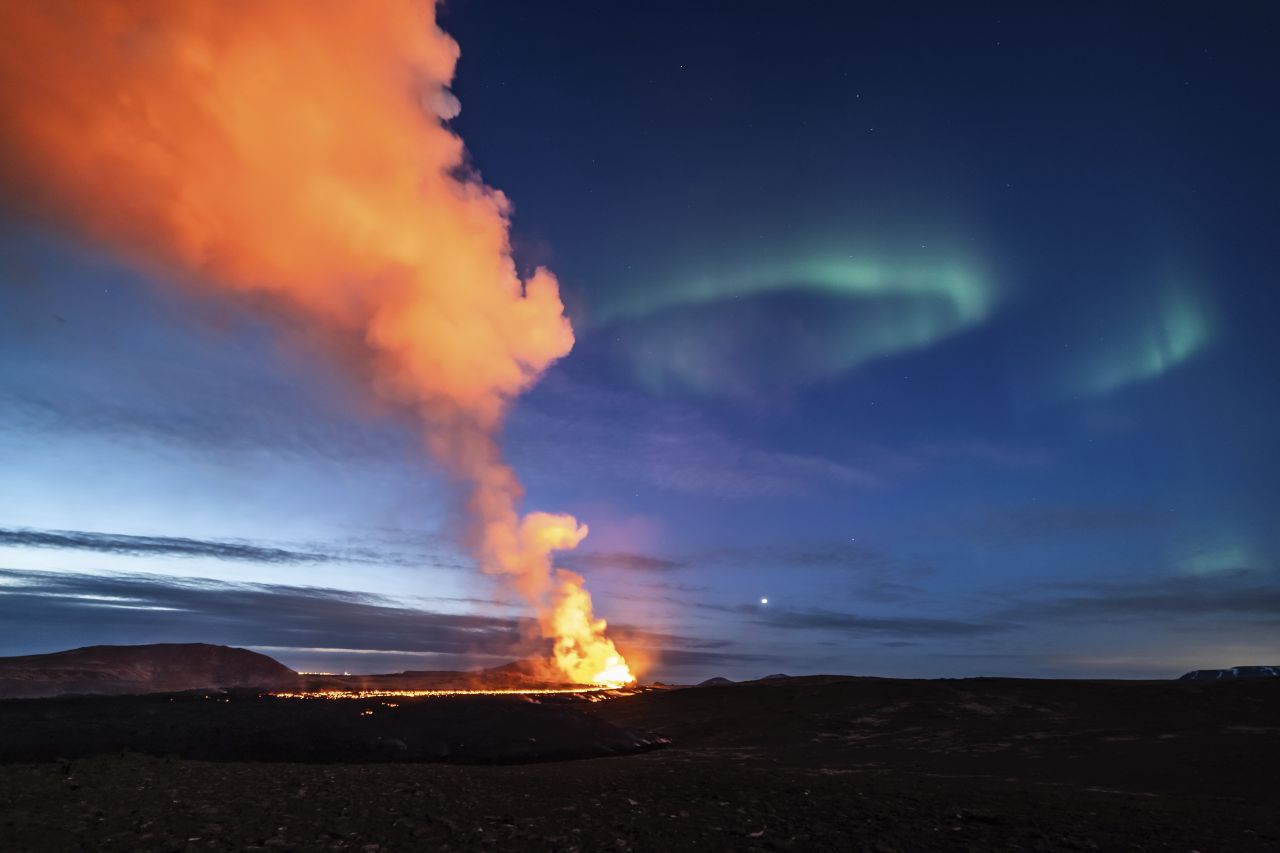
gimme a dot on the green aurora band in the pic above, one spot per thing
(726, 331)
(1178, 324)
(722, 333)
(971, 295)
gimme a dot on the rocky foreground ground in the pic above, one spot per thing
(797, 764)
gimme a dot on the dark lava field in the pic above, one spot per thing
(816, 763)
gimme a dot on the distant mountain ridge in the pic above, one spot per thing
(1234, 673)
(154, 668)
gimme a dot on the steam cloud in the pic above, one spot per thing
(295, 153)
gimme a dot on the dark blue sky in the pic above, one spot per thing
(948, 330)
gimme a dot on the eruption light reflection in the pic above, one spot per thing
(599, 691)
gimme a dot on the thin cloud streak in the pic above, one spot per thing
(169, 546)
(621, 561)
(1041, 523)
(1251, 594)
(217, 549)
(853, 624)
(53, 610)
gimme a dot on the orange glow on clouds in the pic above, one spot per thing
(295, 153)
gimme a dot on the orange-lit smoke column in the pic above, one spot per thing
(297, 153)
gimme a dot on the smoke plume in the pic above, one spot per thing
(297, 153)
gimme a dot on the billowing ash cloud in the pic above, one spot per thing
(296, 156)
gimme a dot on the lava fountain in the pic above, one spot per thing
(298, 157)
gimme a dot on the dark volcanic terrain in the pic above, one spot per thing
(785, 764)
(247, 726)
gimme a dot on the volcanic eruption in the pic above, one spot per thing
(298, 157)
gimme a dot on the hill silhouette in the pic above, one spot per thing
(154, 668)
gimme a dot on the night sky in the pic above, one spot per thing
(950, 330)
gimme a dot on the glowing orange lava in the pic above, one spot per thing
(582, 650)
(603, 690)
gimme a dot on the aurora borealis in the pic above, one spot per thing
(846, 311)
(947, 331)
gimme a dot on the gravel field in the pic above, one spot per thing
(807, 764)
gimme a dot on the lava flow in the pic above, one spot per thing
(594, 693)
